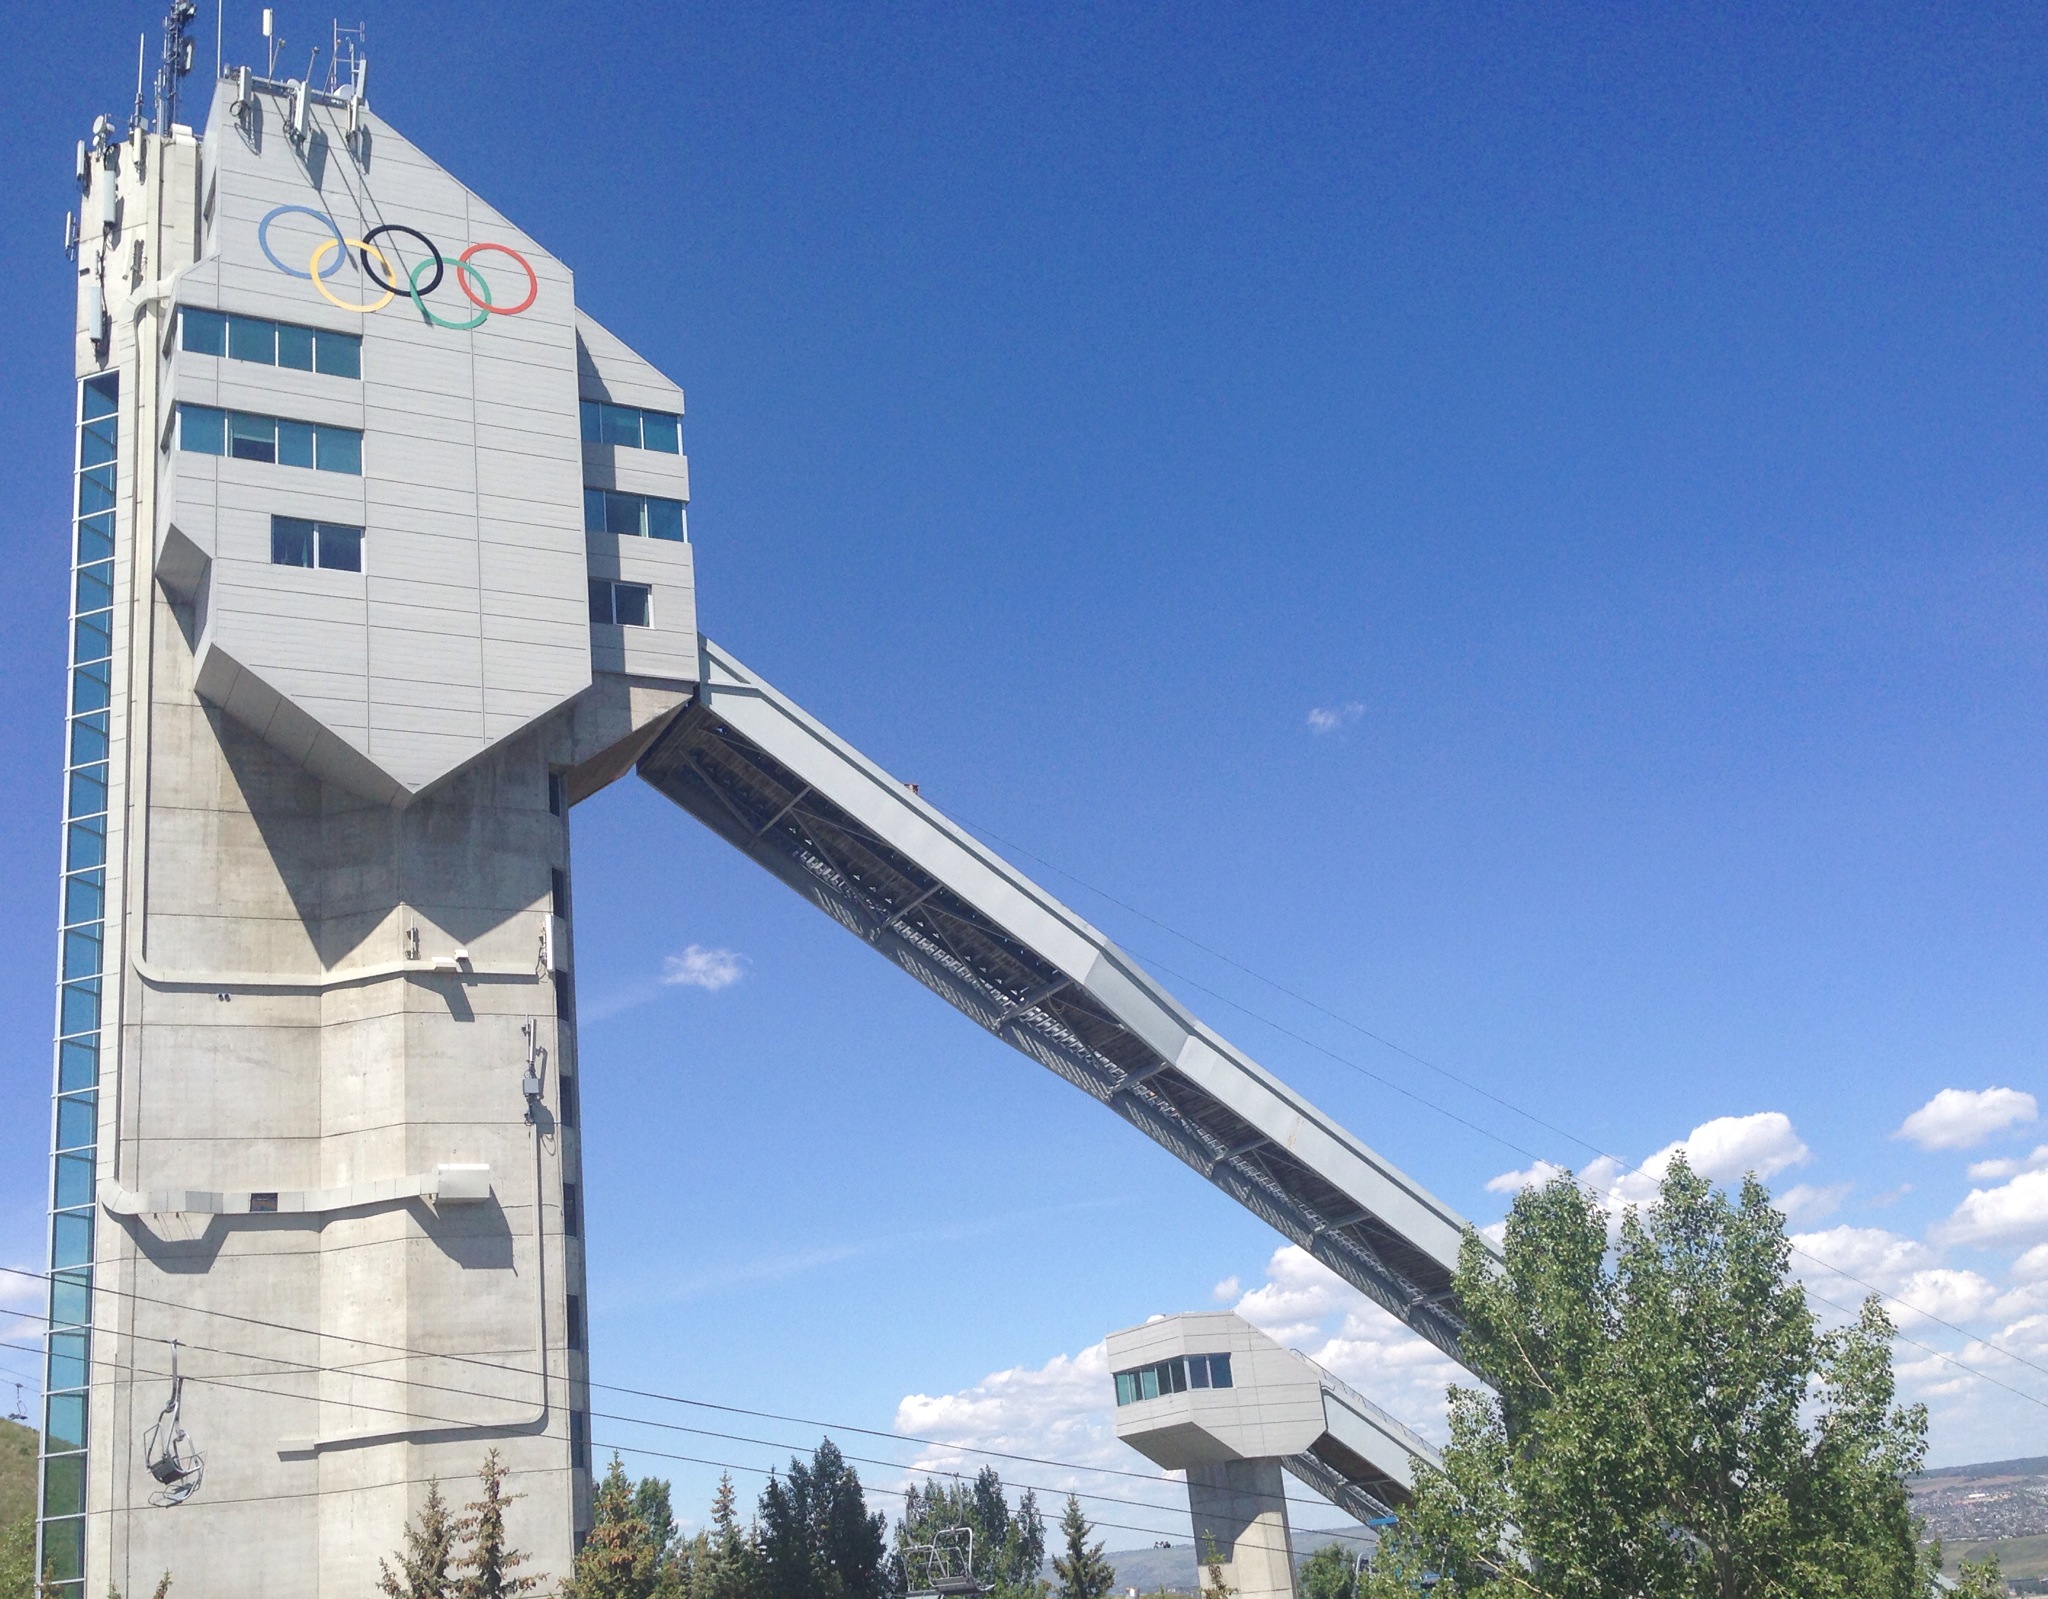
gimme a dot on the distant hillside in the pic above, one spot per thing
(17, 1471)
(1996, 1507)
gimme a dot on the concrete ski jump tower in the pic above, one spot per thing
(380, 564)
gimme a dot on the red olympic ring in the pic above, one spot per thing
(463, 278)
(532, 280)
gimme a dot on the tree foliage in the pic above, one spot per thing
(18, 1558)
(1666, 1419)
(1082, 1571)
(1330, 1573)
(815, 1537)
(1009, 1546)
(450, 1556)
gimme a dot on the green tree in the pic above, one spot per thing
(1665, 1420)
(18, 1559)
(729, 1566)
(1979, 1579)
(816, 1538)
(632, 1551)
(488, 1564)
(1009, 1546)
(1082, 1571)
(1330, 1573)
(429, 1552)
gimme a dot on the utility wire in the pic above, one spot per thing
(1446, 1072)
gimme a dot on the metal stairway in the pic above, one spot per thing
(755, 768)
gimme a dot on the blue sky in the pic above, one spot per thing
(1523, 524)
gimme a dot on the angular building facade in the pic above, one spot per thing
(379, 563)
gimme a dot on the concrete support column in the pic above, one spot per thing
(1240, 1511)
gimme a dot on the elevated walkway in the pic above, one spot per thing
(864, 848)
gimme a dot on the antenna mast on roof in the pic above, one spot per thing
(176, 63)
(347, 52)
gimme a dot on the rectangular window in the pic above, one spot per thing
(558, 892)
(565, 996)
(606, 423)
(626, 604)
(334, 546)
(558, 794)
(1148, 1383)
(575, 1321)
(572, 1210)
(1219, 1371)
(1126, 1387)
(568, 1092)
(579, 1440)
(245, 436)
(633, 515)
(267, 343)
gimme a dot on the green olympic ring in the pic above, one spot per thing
(464, 272)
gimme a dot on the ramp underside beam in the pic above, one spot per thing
(1235, 1127)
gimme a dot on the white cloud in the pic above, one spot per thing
(1329, 719)
(1513, 1182)
(698, 967)
(1961, 1118)
(1991, 1171)
(2012, 1214)
(2032, 1267)
(1884, 1259)
(1803, 1202)
(1226, 1290)
(1723, 1150)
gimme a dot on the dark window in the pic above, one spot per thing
(1172, 1377)
(558, 891)
(558, 794)
(567, 1088)
(575, 1321)
(262, 1204)
(253, 438)
(572, 1210)
(627, 604)
(203, 332)
(606, 423)
(579, 1440)
(565, 997)
(333, 545)
(252, 338)
(206, 430)
(635, 515)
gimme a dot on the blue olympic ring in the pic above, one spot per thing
(321, 217)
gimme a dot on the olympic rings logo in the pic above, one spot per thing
(392, 280)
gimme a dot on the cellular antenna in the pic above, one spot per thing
(272, 43)
(177, 61)
(135, 119)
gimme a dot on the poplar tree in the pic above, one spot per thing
(1665, 1419)
(1082, 1571)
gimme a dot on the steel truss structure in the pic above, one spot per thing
(890, 868)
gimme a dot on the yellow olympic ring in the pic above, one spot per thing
(320, 283)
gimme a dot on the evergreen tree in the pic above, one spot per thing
(1664, 1420)
(1082, 1571)
(729, 1566)
(607, 1564)
(1009, 1547)
(429, 1553)
(487, 1566)
(816, 1538)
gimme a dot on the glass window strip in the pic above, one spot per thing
(74, 1120)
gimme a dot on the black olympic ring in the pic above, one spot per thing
(370, 272)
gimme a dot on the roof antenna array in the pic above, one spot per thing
(272, 43)
(177, 61)
(168, 1452)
